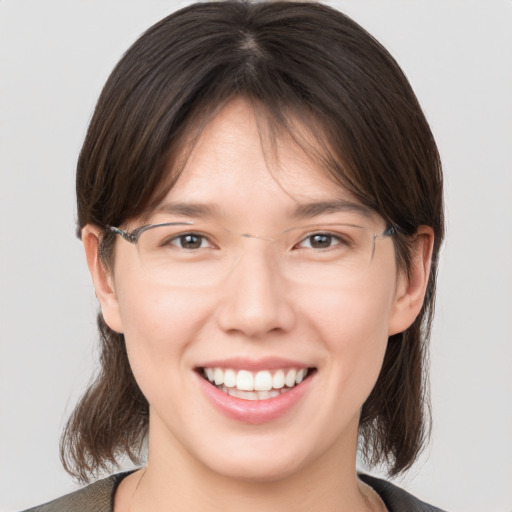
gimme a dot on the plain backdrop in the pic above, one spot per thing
(54, 58)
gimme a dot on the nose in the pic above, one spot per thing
(256, 300)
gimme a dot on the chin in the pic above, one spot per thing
(260, 458)
(257, 471)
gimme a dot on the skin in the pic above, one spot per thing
(306, 459)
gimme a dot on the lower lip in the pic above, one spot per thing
(254, 412)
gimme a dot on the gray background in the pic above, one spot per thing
(54, 58)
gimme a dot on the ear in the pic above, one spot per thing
(411, 289)
(102, 278)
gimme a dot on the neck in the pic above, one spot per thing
(175, 480)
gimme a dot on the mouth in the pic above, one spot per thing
(255, 385)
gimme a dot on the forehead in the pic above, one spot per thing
(240, 163)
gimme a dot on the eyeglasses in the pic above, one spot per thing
(194, 254)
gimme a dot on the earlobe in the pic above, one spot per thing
(411, 289)
(102, 278)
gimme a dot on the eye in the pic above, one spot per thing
(321, 241)
(189, 241)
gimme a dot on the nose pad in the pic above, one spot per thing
(255, 299)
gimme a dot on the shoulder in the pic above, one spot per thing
(396, 499)
(99, 497)
(96, 497)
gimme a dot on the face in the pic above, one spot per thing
(255, 324)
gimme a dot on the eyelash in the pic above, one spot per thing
(331, 236)
(177, 240)
(182, 236)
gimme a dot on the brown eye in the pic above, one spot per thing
(320, 241)
(189, 241)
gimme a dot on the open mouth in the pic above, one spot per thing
(260, 385)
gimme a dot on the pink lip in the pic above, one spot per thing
(254, 412)
(254, 365)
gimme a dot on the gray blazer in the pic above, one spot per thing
(99, 497)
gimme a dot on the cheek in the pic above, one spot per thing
(153, 317)
(355, 314)
(158, 326)
(353, 326)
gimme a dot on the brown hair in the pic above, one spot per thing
(291, 59)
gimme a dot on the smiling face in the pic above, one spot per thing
(258, 376)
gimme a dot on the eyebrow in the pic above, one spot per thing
(188, 209)
(301, 211)
(309, 210)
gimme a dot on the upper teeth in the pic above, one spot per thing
(264, 380)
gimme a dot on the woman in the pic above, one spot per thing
(260, 202)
